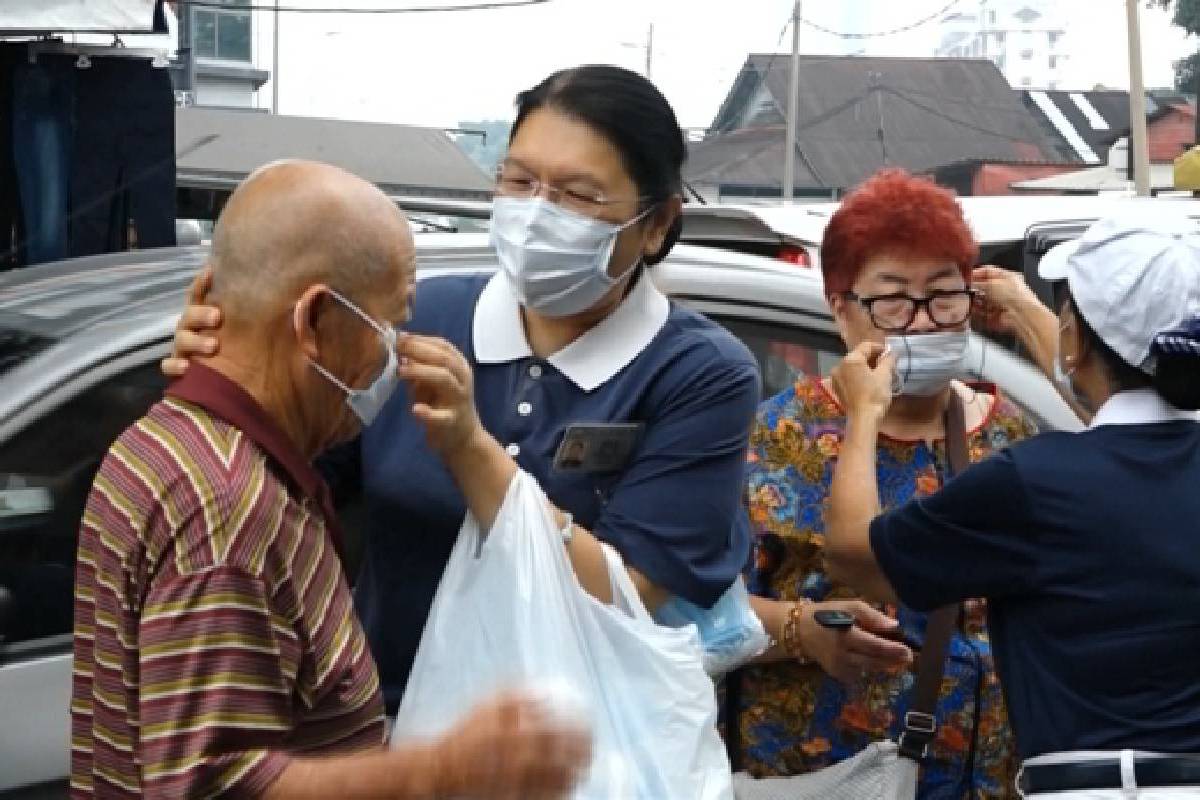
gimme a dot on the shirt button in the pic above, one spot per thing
(535, 371)
(525, 409)
(513, 450)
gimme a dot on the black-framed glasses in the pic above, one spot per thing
(894, 313)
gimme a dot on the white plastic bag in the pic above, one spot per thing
(730, 632)
(878, 772)
(509, 612)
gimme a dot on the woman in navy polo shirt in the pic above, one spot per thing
(570, 330)
(1087, 546)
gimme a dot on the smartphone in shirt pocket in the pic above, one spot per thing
(598, 448)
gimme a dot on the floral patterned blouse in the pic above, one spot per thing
(795, 719)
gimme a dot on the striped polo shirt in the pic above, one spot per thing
(215, 634)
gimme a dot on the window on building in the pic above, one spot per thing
(1000, 38)
(1026, 55)
(1054, 62)
(221, 33)
(1001, 62)
(1054, 37)
(1026, 82)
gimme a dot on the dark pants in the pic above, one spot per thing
(11, 253)
(124, 158)
(43, 103)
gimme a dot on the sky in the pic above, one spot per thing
(444, 68)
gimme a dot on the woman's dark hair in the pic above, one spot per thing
(628, 111)
(1176, 376)
(1177, 379)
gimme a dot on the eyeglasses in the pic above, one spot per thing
(894, 313)
(515, 182)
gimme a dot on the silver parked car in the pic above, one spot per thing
(1013, 232)
(80, 344)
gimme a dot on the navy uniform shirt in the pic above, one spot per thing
(669, 512)
(1087, 547)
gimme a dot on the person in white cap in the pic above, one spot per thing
(1086, 545)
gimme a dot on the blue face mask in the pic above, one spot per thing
(927, 362)
(366, 403)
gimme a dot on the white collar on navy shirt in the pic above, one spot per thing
(1139, 407)
(591, 360)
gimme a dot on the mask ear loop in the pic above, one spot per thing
(641, 259)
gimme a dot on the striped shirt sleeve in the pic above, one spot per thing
(217, 680)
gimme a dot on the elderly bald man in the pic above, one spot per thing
(217, 652)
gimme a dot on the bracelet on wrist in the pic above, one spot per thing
(790, 635)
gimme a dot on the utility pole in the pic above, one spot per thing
(649, 51)
(275, 59)
(1139, 147)
(789, 153)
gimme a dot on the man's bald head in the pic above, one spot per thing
(293, 224)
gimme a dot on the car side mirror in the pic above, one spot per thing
(19, 500)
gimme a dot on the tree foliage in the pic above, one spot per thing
(1186, 16)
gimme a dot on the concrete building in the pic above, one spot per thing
(233, 55)
(1023, 38)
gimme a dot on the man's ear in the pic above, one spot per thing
(661, 221)
(306, 318)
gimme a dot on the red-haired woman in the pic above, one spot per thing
(897, 260)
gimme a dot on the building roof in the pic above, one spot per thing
(857, 114)
(1084, 124)
(107, 16)
(216, 149)
(1094, 180)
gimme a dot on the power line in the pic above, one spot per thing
(841, 35)
(252, 6)
(879, 34)
(949, 118)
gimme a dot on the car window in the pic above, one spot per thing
(786, 353)
(46, 473)
(17, 346)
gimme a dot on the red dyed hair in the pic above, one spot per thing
(894, 212)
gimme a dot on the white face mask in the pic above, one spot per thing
(366, 403)
(557, 259)
(927, 362)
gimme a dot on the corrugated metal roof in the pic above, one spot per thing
(857, 114)
(218, 148)
(1098, 117)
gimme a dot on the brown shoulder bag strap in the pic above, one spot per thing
(920, 724)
